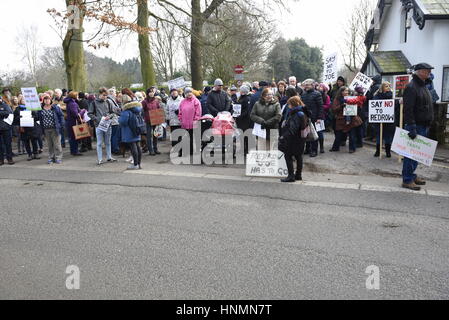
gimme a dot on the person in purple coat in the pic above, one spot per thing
(73, 118)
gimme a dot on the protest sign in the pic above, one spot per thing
(10, 119)
(361, 80)
(319, 126)
(26, 119)
(400, 83)
(381, 111)
(259, 132)
(266, 164)
(237, 110)
(31, 97)
(330, 68)
(178, 83)
(421, 149)
(157, 116)
(350, 110)
(104, 124)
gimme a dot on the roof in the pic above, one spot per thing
(388, 62)
(435, 7)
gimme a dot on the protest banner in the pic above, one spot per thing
(330, 68)
(266, 164)
(157, 117)
(361, 80)
(178, 83)
(237, 110)
(421, 149)
(31, 97)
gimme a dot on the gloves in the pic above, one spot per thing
(263, 125)
(412, 132)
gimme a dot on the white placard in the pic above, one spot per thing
(361, 80)
(266, 164)
(330, 68)
(31, 97)
(319, 126)
(350, 110)
(10, 119)
(104, 124)
(237, 110)
(86, 118)
(178, 83)
(381, 111)
(259, 132)
(421, 149)
(26, 119)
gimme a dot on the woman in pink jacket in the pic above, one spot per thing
(189, 112)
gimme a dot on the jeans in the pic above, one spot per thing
(53, 139)
(409, 166)
(106, 138)
(115, 139)
(151, 139)
(5, 144)
(62, 136)
(340, 135)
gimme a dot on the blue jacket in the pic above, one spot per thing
(58, 115)
(127, 135)
(203, 101)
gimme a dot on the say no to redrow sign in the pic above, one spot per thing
(381, 111)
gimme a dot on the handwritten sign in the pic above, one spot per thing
(237, 110)
(178, 83)
(361, 80)
(350, 109)
(381, 111)
(266, 164)
(32, 101)
(400, 83)
(330, 68)
(421, 149)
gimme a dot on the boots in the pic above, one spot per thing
(35, 156)
(290, 178)
(388, 150)
(321, 145)
(377, 154)
(298, 176)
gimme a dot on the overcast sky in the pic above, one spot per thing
(320, 22)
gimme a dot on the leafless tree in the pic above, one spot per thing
(28, 46)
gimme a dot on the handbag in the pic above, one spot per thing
(312, 135)
(81, 131)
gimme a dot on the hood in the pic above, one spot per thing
(132, 105)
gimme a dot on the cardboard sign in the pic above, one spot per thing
(421, 149)
(400, 83)
(266, 164)
(104, 124)
(237, 110)
(157, 117)
(361, 80)
(178, 83)
(381, 111)
(259, 132)
(350, 110)
(330, 68)
(31, 97)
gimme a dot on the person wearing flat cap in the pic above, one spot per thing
(218, 100)
(418, 117)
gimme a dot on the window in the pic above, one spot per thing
(445, 89)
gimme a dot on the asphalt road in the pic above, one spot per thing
(160, 237)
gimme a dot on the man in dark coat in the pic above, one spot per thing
(314, 102)
(218, 100)
(203, 100)
(418, 117)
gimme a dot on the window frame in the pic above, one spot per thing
(445, 83)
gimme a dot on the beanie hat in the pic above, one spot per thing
(188, 90)
(233, 88)
(360, 89)
(218, 82)
(340, 78)
(207, 89)
(244, 89)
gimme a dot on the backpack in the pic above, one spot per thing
(137, 124)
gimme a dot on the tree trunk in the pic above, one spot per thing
(196, 46)
(146, 58)
(74, 56)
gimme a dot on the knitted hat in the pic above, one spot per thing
(340, 78)
(188, 90)
(244, 89)
(360, 89)
(218, 82)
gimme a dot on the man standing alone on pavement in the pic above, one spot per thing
(418, 117)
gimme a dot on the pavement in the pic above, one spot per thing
(210, 232)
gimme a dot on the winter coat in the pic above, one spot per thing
(5, 111)
(218, 101)
(73, 113)
(340, 122)
(282, 98)
(267, 114)
(254, 98)
(203, 100)
(27, 132)
(314, 102)
(326, 104)
(173, 109)
(148, 105)
(58, 116)
(418, 104)
(99, 109)
(290, 139)
(133, 107)
(83, 104)
(244, 121)
(189, 112)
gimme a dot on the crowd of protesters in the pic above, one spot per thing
(284, 109)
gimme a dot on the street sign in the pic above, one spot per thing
(239, 69)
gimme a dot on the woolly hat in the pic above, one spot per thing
(207, 89)
(233, 88)
(218, 82)
(360, 89)
(188, 90)
(341, 79)
(244, 89)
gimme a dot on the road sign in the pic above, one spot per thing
(239, 69)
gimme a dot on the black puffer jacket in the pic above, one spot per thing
(418, 104)
(5, 111)
(290, 141)
(314, 102)
(244, 121)
(218, 101)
